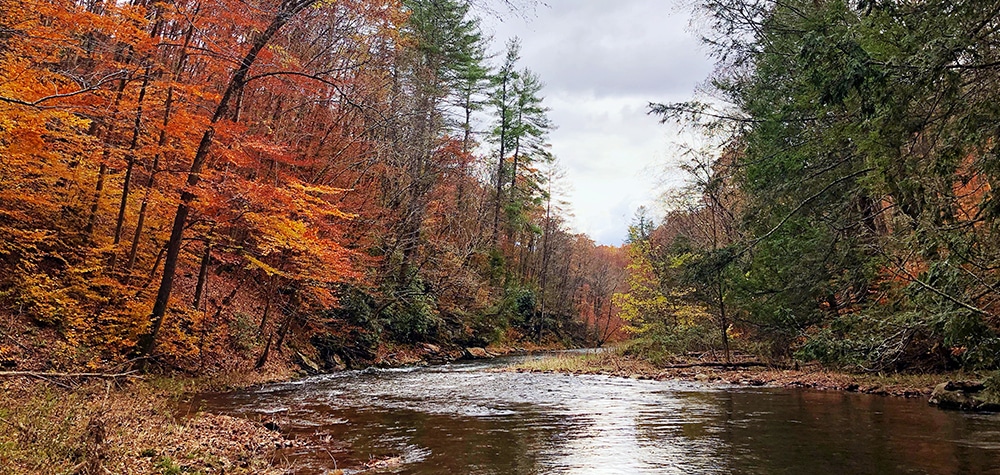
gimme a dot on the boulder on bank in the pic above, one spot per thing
(307, 364)
(431, 348)
(474, 353)
(963, 396)
(334, 362)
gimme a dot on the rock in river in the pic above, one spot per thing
(432, 349)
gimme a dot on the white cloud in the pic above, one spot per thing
(602, 63)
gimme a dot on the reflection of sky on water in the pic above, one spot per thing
(630, 428)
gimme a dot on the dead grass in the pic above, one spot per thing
(614, 363)
(100, 427)
(605, 362)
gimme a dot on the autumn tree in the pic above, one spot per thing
(605, 276)
(284, 12)
(202, 183)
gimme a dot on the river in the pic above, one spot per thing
(466, 419)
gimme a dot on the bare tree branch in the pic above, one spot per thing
(93, 87)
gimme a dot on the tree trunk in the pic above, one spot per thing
(262, 359)
(133, 144)
(199, 290)
(517, 155)
(154, 169)
(723, 320)
(105, 156)
(148, 341)
(467, 125)
(283, 331)
(500, 160)
(92, 219)
(545, 258)
(269, 290)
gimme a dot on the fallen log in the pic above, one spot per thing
(713, 364)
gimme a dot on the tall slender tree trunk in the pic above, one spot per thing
(130, 160)
(720, 289)
(545, 261)
(723, 319)
(267, 309)
(141, 221)
(262, 359)
(101, 174)
(199, 290)
(517, 156)
(500, 161)
(161, 142)
(283, 331)
(105, 156)
(467, 126)
(416, 204)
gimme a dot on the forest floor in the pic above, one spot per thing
(130, 425)
(63, 412)
(710, 371)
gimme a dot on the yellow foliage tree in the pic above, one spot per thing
(643, 306)
(651, 304)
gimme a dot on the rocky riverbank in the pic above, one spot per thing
(130, 424)
(423, 354)
(741, 372)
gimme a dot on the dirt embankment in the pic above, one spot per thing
(741, 372)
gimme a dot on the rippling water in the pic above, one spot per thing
(464, 419)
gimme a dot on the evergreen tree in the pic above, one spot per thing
(521, 131)
(866, 149)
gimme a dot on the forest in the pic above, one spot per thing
(199, 185)
(843, 211)
(292, 236)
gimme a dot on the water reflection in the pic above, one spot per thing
(463, 420)
(828, 432)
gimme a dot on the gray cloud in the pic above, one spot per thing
(608, 48)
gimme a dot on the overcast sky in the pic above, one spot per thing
(602, 62)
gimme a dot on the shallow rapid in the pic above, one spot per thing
(467, 419)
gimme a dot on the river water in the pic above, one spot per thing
(467, 419)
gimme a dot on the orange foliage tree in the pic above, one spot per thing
(188, 180)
